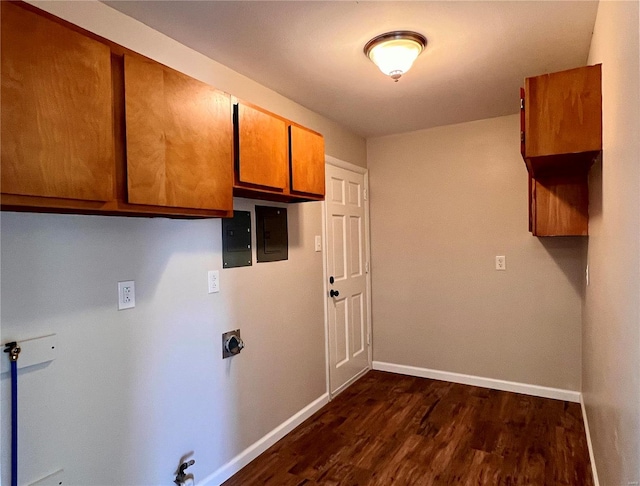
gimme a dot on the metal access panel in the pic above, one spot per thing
(272, 235)
(236, 240)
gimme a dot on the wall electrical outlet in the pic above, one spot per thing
(214, 281)
(501, 263)
(318, 243)
(126, 295)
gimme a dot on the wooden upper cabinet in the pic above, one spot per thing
(306, 161)
(276, 159)
(179, 138)
(561, 125)
(88, 126)
(57, 115)
(261, 148)
(563, 117)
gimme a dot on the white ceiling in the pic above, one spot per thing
(477, 55)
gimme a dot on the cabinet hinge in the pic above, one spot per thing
(365, 194)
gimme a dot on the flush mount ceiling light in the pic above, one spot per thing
(394, 52)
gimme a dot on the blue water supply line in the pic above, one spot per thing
(14, 351)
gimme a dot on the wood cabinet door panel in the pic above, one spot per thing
(561, 206)
(179, 139)
(531, 201)
(262, 147)
(563, 112)
(307, 161)
(523, 129)
(57, 115)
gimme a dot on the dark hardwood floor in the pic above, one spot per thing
(389, 429)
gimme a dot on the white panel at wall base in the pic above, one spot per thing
(444, 203)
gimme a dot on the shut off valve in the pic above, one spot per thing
(181, 476)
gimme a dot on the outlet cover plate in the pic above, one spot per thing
(126, 295)
(214, 281)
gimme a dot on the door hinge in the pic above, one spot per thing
(366, 267)
(365, 194)
(368, 339)
(522, 103)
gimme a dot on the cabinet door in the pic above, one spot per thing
(307, 160)
(57, 114)
(262, 148)
(179, 139)
(563, 112)
(522, 122)
(531, 201)
(561, 206)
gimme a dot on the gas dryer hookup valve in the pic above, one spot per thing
(232, 344)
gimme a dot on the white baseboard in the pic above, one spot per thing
(592, 459)
(511, 386)
(254, 450)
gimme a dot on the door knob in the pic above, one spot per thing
(334, 293)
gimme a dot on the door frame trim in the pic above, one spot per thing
(329, 160)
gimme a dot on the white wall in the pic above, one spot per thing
(444, 203)
(611, 349)
(132, 391)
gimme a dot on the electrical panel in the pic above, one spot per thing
(236, 240)
(272, 234)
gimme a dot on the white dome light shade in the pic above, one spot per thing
(394, 52)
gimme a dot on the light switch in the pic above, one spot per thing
(214, 281)
(318, 243)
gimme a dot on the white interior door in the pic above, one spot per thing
(347, 282)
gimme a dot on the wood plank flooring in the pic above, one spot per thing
(389, 429)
